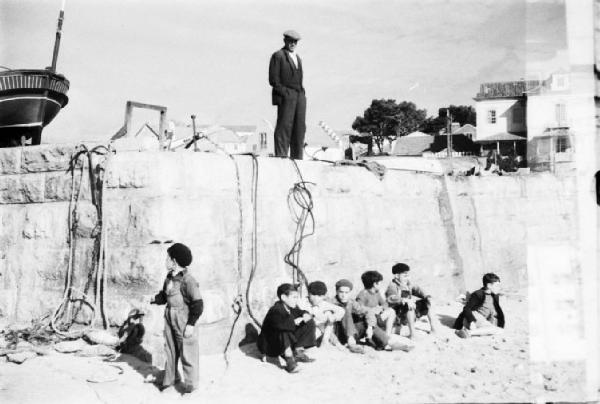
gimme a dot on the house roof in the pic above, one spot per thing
(506, 89)
(416, 134)
(460, 143)
(412, 145)
(466, 128)
(499, 137)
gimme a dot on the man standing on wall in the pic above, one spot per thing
(285, 76)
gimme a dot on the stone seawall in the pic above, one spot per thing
(451, 230)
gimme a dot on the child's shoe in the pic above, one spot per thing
(290, 365)
(355, 348)
(463, 333)
(300, 356)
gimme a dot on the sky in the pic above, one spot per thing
(210, 57)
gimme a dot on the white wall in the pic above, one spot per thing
(504, 117)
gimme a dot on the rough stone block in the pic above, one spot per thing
(22, 188)
(43, 221)
(44, 158)
(10, 160)
(60, 185)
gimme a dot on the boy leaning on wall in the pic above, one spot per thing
(378, 315)
(184, 305)
(482, 314)
(287, 330)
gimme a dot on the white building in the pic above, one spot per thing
(501, 116)
(549, 119)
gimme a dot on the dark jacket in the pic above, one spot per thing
(284, 77)
(277, 322)
(476, 301)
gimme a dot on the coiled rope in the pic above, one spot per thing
(300, 197)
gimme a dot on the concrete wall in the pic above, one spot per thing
(450, 230)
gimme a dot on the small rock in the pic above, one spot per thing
(473, 370)
(43, 350)
(70, 346)
(96, 350)
(20, 357)
(497, 348)
(24, 345)
(549, 387)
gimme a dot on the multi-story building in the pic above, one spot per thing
(528, 118)
(501, 116)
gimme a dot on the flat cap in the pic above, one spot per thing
(290, 33)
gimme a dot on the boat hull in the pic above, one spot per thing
(29, 100)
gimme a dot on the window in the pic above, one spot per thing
(562, 144)
(560, 111)
(491, 116)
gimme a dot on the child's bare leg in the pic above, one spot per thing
(327, 333)
(410, 317)
(433, 324)
(389, 317)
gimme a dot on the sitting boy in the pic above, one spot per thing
(131, 334)
(324, 313)
(287, 330)
(400, 294)
(482, 315)
(344, 329)
(378, 313)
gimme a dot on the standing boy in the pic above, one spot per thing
(400, 294)
(287, 330)
(184, 306)
(482, 315)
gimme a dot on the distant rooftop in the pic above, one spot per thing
(506, 89)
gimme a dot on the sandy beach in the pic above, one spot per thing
(442, 368)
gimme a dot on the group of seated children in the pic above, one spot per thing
(291, 326)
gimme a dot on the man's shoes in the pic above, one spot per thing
(354, 348)
(463, 333)
(165, 389)
(188, 388)
(290, 365)
(300, 356)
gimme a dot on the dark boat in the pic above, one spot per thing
(30, 99)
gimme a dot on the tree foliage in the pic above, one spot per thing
(462, 114)
(387, 120)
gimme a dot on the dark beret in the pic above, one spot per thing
(317, 288)
(181, 254)
(343, 282)
(400, 268)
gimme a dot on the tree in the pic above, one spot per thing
(462, 114)
(387, 120)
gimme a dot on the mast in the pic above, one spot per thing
(61, 16)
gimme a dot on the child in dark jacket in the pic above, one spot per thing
(131, 334)
(482, 314)
(287, 330)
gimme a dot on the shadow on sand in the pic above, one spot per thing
(446, 320)
(248, 346)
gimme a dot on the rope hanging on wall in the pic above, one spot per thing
(300, 203)
(63, 316)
